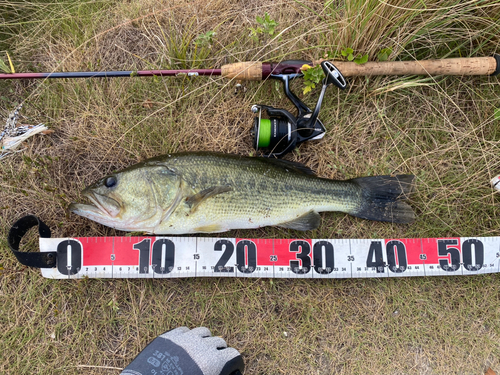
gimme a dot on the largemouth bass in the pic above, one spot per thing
(209, 192)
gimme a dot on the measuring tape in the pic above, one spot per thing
(175, 257)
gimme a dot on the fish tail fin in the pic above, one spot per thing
(383, 198)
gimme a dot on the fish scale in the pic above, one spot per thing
(262, 193)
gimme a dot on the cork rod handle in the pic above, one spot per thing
(452, 67)
(245, 71)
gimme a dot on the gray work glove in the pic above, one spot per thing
(187, 352)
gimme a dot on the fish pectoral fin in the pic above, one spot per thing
(308, 221)
(194, 200)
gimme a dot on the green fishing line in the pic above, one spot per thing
(265, 133)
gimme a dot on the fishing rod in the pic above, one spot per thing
(257, 71)
(279, 131)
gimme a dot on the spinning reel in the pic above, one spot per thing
(281, 132)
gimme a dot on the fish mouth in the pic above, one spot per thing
(100, 207)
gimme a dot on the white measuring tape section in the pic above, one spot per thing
(174, 257)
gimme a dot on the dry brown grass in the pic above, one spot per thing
(441, 129)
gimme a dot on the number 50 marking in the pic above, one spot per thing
(450, 248)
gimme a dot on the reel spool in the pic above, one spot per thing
(281, 131)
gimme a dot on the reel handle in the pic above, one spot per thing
(332, 77)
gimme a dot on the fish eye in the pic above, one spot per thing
(110, 182)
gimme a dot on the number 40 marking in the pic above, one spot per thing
(396, 256)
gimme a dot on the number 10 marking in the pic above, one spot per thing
(163, 259)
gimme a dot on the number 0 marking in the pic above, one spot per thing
(478, 254)
(69, 257)
(396, 248)
(323, 264)
(163, 256)
(246, 256)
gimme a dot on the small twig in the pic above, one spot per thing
(101, 367)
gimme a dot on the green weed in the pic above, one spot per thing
(312, 76)
(267, 26)
(384, 54)
(348, 53)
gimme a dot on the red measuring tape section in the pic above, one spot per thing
(172, 257)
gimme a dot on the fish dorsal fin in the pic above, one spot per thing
(293, 165)
(310, 220)
(194, 200)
